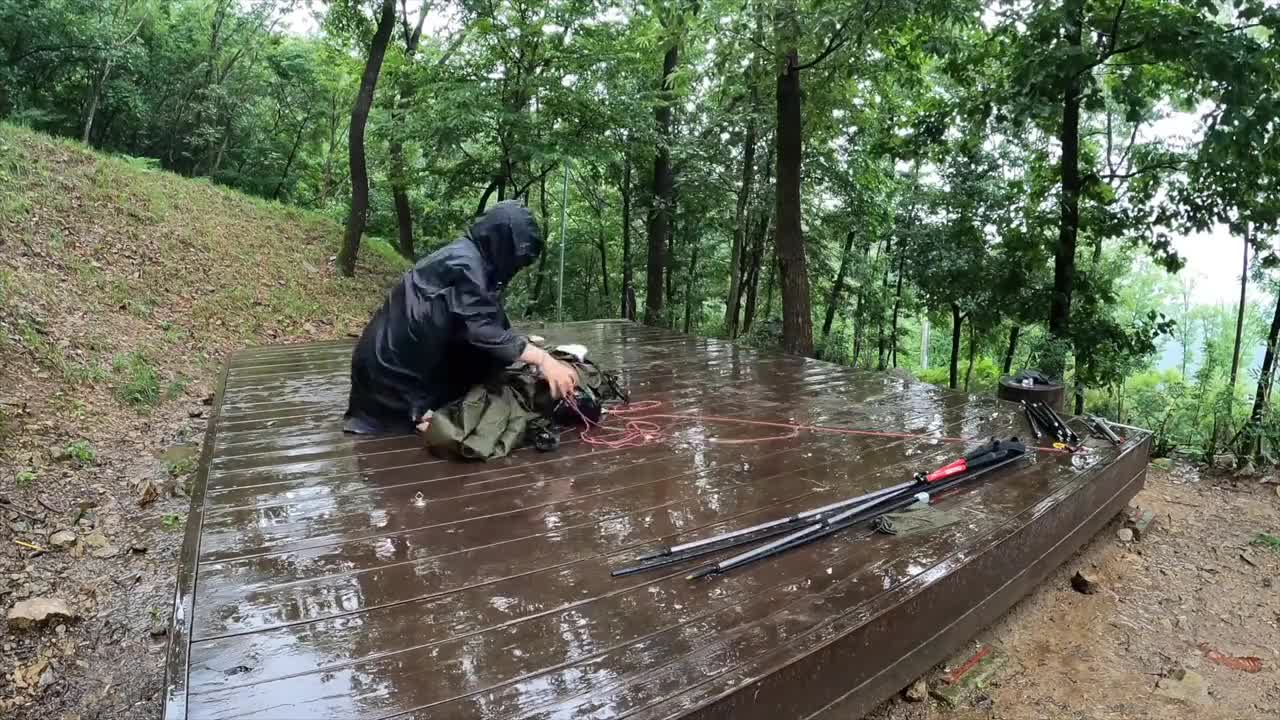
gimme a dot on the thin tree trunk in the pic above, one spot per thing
(1244, 284)
(956, 320)
(769, 283)
(98, 84)
(484, 198)
(670, 274)
(359, 118)
(882, 346)
(660, 207)
(399, 172)
(1013, 347)
(1064, 261)
(546, 247)
(604, 262)
(1262, 397)
(101, 82)
(628, 299)
(797, 322)
(897, 304)
(968, 372)
(222, 148)
(293, 152)
(838, 286)
(688, 282)
(752, 289)
(740, 231)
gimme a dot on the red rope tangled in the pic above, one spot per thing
(641, 429)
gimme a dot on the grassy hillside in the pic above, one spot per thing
(122, 288)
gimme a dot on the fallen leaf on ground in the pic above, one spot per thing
(1249, 664)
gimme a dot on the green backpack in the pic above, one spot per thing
(505, 413)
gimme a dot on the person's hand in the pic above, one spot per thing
(560, 376)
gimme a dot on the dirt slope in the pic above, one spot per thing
(122, 288)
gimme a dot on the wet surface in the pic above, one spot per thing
(343, 577)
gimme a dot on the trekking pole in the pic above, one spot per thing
(1105, 430)
(745, 536)
(1073, 438)
(978, 463)
(1055, 424)
(1031, 420)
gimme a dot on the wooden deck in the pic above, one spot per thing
(328, 576)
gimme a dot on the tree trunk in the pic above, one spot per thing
(670, 274)
(897, 304)
(838, 286)
(756, 264)
(1013, 347)
(1064, 259)
(96, 93)
(797, 322)
(973, 346)
(1244, 284)
(740, 231)
(956, 320)
(488, 191)
(546, 247)
(399, 173)
(293, 153)
(604, 263)
(1263, 396)
(688, 282)
(663, 187)
(628, 307)
(222, 150)
(359, 118)
(769, 283)
(882, 345)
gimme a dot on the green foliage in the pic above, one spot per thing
(26, 478)
(182, 466)
(1266, 540)
(137, 382)
(81, 452)
(932, 180)
(171, 521)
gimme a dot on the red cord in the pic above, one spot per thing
(641, 430)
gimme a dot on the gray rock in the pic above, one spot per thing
(36, 611)
(918, 691)
(1083, 584)
(96, 539)
(62, 539)
(46, 678)
(159, 628)
(1125, 535)
(105, 551)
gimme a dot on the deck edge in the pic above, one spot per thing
(178, 650)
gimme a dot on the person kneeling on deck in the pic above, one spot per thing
(443, 329)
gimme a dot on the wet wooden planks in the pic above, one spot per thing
(333, 576)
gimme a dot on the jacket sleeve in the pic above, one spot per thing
(482, 321)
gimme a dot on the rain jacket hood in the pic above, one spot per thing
(442, 328)
(508, 239)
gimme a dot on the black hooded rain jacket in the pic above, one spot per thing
(442, 328)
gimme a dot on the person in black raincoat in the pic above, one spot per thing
(443, 328)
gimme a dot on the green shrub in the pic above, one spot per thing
(81, 452)
(137, 382)
(26, 478)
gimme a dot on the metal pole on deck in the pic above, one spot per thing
(564, 206)
(924, 344)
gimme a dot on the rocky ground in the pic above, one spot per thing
(121, 291)
(1171, 631)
